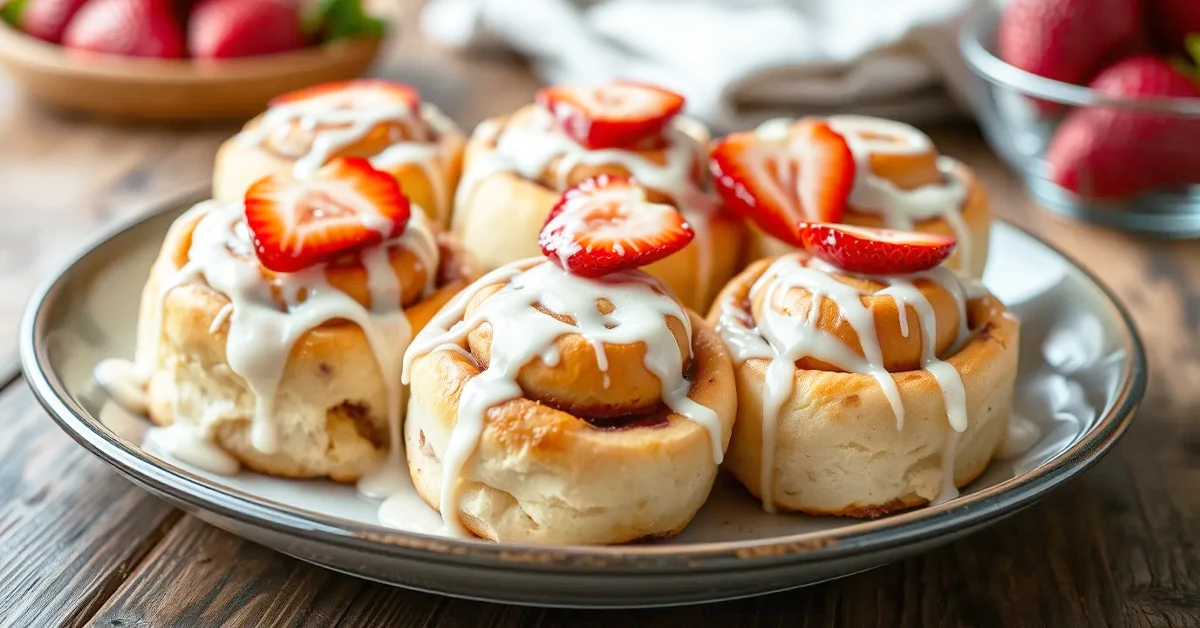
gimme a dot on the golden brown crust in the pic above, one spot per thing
(239, 164)
(901, 347)
(541, 474)
(838, 448)
(500, 217)
(331, 403)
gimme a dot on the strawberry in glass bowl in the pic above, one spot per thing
(1096, 103)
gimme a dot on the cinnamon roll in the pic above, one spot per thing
(573, 399)
(861, 395)
(517, 166)
(898, 181)
(272, 328)
(383, 121)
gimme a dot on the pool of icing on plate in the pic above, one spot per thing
(338, 123)
(527, 146)
(899, 209)
(783, 340)
(260, 334)
(522, 333)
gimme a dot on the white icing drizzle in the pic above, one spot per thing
(526, 147)
(337, 123)
(778, 338)
(260, 335)
(521, 333)
(899, 209)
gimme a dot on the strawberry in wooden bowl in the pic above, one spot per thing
(172, 59)
(1097, 104)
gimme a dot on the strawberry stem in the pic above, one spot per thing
(1191, 44)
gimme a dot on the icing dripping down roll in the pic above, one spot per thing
(552, 408)
(863, 395)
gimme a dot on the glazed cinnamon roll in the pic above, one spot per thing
(883, 174)
(863, 394)
(272, 328)
(517, 166)
(571, 400)
(379, 120)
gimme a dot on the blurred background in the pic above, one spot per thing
(1088, 108)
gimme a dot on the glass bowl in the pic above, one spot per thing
(1020, 113)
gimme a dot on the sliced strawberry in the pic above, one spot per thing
(779, 184)
(605, 224)
(347, 205)
(355, 92)
(620, 114)
(876, 251)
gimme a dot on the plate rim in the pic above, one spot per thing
(877, 535)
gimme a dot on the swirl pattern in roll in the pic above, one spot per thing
(900, 182)
(378, 120)
(290, 374)
(551, 408)
(516, 168)
(862, 395)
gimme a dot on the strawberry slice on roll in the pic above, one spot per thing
(619, 114)
(778, 184)
(876, 251)
(346, 206)
(606, 224)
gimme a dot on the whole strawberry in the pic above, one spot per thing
(47, 19)
(139, 28)
(1067, 40)
(243, 28)
(1110, 153)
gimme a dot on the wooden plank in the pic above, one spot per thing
(201, 576)
(71, 529)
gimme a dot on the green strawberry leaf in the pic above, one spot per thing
(11, 12)
(1191, 44)
(331, 20)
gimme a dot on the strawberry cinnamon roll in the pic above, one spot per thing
(272, 328)
(517, 166)
(571, 400)
(379, 120)
(858, 170)
(870, 379)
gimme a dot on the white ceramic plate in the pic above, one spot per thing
(1080, 378)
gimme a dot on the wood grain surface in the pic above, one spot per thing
(79, 545)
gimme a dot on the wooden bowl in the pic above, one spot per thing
(161, 89)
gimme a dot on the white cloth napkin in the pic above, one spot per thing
(737, 61)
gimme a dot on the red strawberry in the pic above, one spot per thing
(47, 19)
(605, 224)
(876, 251)
(1173, 20)
(621, 114)
(355, 91)
(1107, 152)
(220, 29)
(778, 184)
(1067, 40)
(137, 28)
(346, 206)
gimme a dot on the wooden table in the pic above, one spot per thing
(80, 545)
